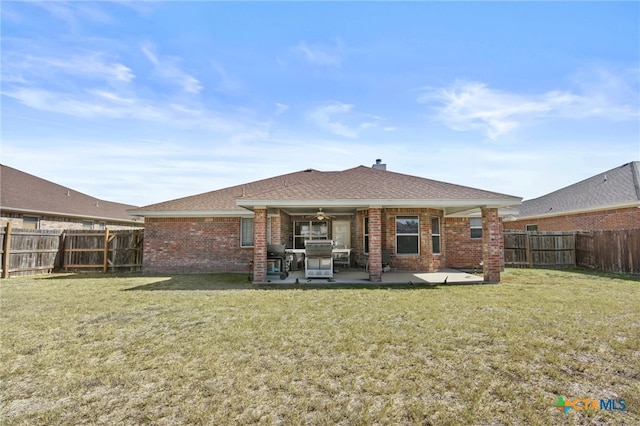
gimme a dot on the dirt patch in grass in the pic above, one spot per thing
(86, 350)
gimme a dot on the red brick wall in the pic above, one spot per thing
(461, 250)
(200, 245)
(425, 260)
(194, 245)
(627, 218)
(275, 229)
(260, 245)
(492, 245)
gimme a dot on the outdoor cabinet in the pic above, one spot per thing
(274, 266)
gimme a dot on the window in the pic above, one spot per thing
(246, 232)
(87, 225)
(30, 222)
(309, 230)
(407, 235)
(533, 228)
(101, 226)
(366, 234)
(476, 227)
(435, 235)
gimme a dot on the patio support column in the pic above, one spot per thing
(375, 244)
(260, 245)
(491, 245)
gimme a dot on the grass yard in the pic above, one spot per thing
(101, 349)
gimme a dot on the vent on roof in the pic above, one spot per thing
(379, 165)
(308, 170)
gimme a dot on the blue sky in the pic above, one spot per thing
(141, 102)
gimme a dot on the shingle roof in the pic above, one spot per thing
(22, 192)
(615, 187)
(359, 183)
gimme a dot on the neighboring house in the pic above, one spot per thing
(413, 223)
(29, 202)
(609, 200)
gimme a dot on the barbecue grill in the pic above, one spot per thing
(318, 259)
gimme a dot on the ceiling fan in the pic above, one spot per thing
(320, 215)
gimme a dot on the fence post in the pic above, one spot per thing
(106, 250)
(527, 250)
(6, 251)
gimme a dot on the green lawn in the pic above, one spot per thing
(207, 349)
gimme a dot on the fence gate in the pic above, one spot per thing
(105, 251)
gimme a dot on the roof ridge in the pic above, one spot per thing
(616, 186)
(635, 174)
(66, 188)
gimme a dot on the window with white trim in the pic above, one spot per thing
(475, 224)
(407, 235)
(533, 228)
(309, 230)
(30, 222)
(435, 235)
(246, 232)
(366, 234)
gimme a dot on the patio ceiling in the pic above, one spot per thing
(450, 208)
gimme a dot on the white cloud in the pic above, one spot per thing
(104, 104)
(470, 105)
(473, 105)
(281, 108)
(324, 117)
(341, 119)
(93, 65)
(322, 55)
(167, 69)
(151, 56)
(226, 82)
(75, 13)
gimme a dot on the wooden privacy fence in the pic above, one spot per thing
(616, 251)
(613, 250)
(539, 249)
(28, 251)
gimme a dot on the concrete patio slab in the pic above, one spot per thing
(355, 276)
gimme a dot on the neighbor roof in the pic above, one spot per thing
(357, 187)
(25, 193)
(615, 188)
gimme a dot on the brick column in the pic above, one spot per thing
(375, 244)
(260, 245)
(276, 229)
(491, 245)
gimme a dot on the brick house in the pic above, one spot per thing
(419, 224)
(29, 202)
(607, 201)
